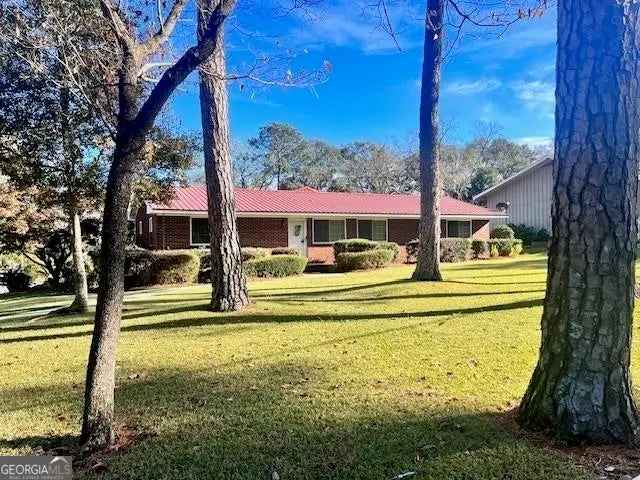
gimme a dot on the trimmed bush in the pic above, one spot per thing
(353, 245)
(252, 253)
(146, 268)
(392, 247)
(285, 251)
(506, 247)
(493, 251)
(502, 231)
(528, 235)
(480, 248)
(455, 249)
(366, 260)
(275, 266)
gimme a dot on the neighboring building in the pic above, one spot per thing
(306, 219)
(524, 197)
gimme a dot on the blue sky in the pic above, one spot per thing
(372, 92)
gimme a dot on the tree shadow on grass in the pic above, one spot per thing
(239, 318)
(294, 419)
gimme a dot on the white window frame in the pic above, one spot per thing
(191, 233)
(454, 220)
(313, 229)
(386, 223)
(150, 224)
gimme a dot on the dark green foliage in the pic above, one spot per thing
(252, 253)
(528, 235)
(455, 249)
(17, 279)
(353, 245)
(391, 246)
(502, 231)
(480, 248)
(275, 266)
(146, 268)
(364, 260)
(285, 251)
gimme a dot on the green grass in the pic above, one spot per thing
(358, 376)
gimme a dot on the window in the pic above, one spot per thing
(458, 229)
(328, 231)
(150, 224)
(139, 227)
(199, 231)
(373, 230)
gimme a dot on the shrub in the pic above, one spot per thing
(275, 266)
(392, 247)
(365, 260)
(252, 253)
(502, 231)
(493, 251)
(146, 268)
(17, 279)
(353, 245)
(506, 247)
(528, 235)
(285, 251)
(455, 249)
(480, 248)
(412, 247)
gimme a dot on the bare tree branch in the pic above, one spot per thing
(166, 27)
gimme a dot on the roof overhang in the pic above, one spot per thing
(203, 213)
(520, 174)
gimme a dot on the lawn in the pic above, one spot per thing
(356, 376)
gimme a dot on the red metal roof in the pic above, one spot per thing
(309, 201)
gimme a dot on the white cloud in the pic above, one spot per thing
(473, 87)
(356, 24)
(537, 95)
(535, 141)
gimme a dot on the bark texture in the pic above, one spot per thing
(80, 289)
(581, 387)
(229, 289)
(428, 261)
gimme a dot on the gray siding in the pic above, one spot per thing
(529, 196)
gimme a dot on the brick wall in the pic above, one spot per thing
(263, 232)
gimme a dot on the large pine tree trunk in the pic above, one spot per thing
(428, 261)
(229, 290)
(581, 387)
(81, 301)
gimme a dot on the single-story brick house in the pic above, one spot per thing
(307, 219)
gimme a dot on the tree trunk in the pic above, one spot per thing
(229, 290)
(81, 301)
(581, 387)
(97, 426)
(428, 261)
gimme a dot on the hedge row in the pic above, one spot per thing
(460, 249)
(365, 260)
(275, 266)
(363, 254)
(145, 268)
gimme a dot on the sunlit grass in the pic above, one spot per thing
(364, 375)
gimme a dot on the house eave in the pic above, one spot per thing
(512, 178)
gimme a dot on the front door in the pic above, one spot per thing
(297, 234)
